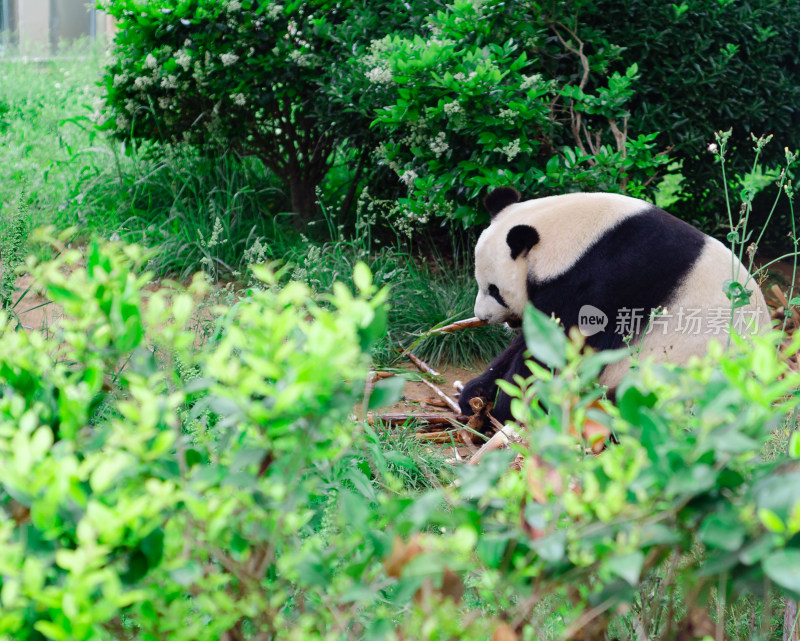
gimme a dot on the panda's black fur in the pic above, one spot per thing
(638, 261)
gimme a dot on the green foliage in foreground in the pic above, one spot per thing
(156, 486)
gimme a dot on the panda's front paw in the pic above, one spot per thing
(479, 386)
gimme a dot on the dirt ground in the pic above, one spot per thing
(419, 398)
(34, 310)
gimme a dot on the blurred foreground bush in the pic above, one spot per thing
(192, 472)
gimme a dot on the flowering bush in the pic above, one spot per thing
(466, 107)
(251, 75)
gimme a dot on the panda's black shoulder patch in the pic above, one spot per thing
(500, 198)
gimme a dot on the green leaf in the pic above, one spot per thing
(362, 277)
(771, 521)
(627, 567)
(62, 295)
(736, 293)
(783, 567)
(152, 547)
(552, 547)
(491, 549)
(105, 473)
(794, 445)
(386, 391)
(355, 509)
(757, 550)
(187, 574)
(546, 341)
(376, 329)
(51, 630)
(722, 531)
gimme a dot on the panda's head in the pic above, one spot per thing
(501, 265)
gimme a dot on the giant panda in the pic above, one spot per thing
(582, 256)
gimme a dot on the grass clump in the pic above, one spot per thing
(46, 130)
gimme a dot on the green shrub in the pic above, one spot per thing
(121, 444)
(704, 65)
(691, 499)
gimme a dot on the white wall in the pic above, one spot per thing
(34, 26)
(43, 24)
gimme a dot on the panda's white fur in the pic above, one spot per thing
(566, 230)
(572, 229)
(702, 289)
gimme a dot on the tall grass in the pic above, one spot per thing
(215, 213)
(40, 152)
(167, 198)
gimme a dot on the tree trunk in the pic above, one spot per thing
(791, 629)
(304, 200)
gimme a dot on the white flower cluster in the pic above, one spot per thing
(462, 77)
(183, 58)
(456, 115)
(379, 75)
(301, 59)
(439, 144)
(531, 81)
(408, 177)
(150, 61)
(99, 111)
(239, 99)
(142, 82)
(123, 124)
(229, 59)
(508, 115)
(511, 150)
(233, 5)
(452, 108)
(274, 11)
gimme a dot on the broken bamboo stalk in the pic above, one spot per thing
(436, 437)
(467, 323)
(422, 365)
(451, 403)
(505, 435)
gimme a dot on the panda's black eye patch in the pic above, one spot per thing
(495, 293)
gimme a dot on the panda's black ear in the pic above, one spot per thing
(500, 198)
(521, 239)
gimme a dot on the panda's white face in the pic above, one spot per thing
(502, 280)
(537, 240)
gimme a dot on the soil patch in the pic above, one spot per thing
(418, 398)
